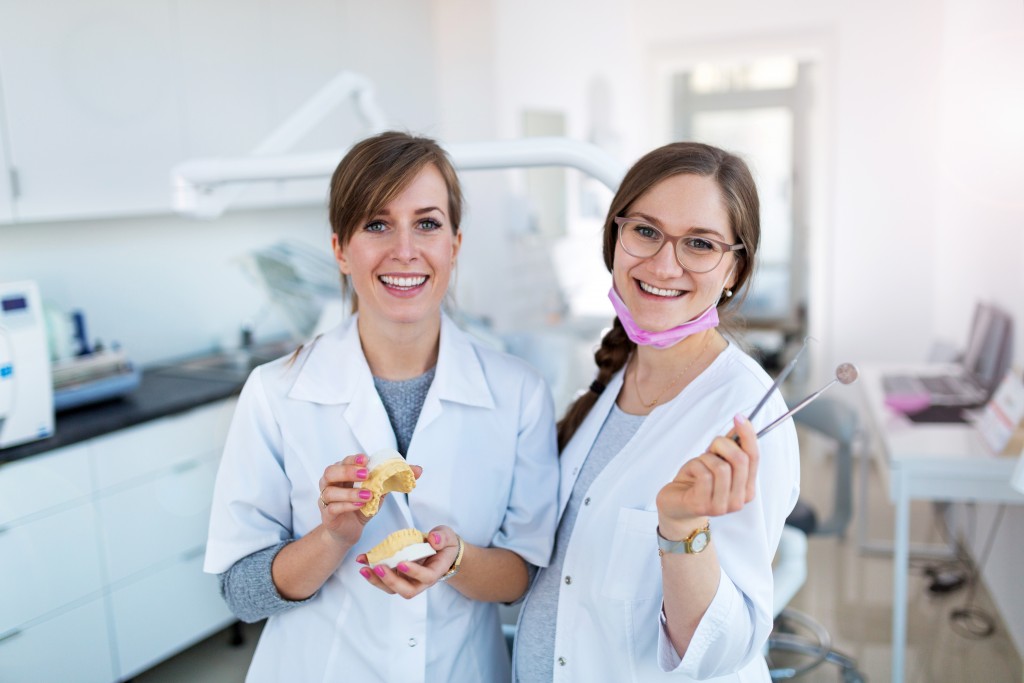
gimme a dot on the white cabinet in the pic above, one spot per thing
(101, 551)
(102, 98)
(74, 646)
(47, 537)
(6, 177)
(187, 605)
(92, 107)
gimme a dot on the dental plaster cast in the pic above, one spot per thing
(388, 472)
(405, 545)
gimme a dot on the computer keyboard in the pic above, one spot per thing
(901, 384)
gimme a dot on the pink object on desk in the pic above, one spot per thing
(908, 403)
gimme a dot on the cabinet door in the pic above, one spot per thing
(73, 646)
(48, 563)
(92, 106)
(157, 521)
(41, 482)
(132, 455)
(165, 612)
(6, 179)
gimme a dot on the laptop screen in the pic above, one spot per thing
(990, 345)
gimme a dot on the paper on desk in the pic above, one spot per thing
(1003, 416)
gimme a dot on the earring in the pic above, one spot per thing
(727, 292)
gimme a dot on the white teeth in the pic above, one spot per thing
(403, 282)
(659, 292)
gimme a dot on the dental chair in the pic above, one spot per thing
(806, 641)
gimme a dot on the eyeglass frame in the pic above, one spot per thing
(726, 248)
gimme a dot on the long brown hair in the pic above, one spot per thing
(741, 205)
(375, 171)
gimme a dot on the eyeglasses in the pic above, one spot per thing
(695, 253)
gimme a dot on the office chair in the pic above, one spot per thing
(794, 631)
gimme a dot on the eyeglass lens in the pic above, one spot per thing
(694, 253)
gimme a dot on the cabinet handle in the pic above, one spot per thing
(194, 553)
(10, 634)
(186, 466)
(15, 181)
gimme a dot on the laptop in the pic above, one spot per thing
(972, 381)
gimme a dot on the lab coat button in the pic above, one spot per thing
(586, 501)
(568, 580)
(561, 661)
(412, 642)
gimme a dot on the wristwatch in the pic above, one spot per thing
(695, 543)
(457, 563)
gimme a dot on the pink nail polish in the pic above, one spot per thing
(378, 570)
(365, 494)
(403, 567)
(365, 572)
(362, 473)
(360, 459)
(436, 538)
(359, 504)
(740, 418)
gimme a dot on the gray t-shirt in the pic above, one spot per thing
(248, 587)
(535, 637)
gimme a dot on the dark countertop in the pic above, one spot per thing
(163, 391)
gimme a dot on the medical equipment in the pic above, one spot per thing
(846, 373)
(779, 380)
(205, 187)
(26, 391)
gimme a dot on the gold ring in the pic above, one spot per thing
(322, 501)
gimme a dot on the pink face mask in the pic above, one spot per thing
(662, 340)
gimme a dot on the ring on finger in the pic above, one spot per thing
(322, 501)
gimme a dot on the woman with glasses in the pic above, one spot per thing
(288, 536)
(671, 507)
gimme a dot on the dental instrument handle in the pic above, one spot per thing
(795, 409)
(778, 380)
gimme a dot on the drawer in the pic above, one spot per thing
(166, 612)
(72, 646)
(44, 481)
(148, 448)
(158, 520)
(47, 563)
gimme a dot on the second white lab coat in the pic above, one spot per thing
(608, 624)
(485, 439)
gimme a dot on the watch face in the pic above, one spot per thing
(699, 542)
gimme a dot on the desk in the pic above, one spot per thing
(929, 461)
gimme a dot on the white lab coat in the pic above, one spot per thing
(609, 606)
(485, 439)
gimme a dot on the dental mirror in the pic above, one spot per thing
(846, 373)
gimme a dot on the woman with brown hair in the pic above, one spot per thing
(668, 524)
(288, 537)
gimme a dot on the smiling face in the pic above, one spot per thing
(659, 293)
(400, 259)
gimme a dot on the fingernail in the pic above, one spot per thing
(362, 473)
(360, 459)
(436, 538)
(740, 418)
(359, 504)
(378, 570)
(403, 567)
(365, 494)
(365, 572)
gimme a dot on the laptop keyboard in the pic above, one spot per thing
(901, 384)
(941, 385)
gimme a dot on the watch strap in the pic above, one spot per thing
(457, 564)
(684, 546)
